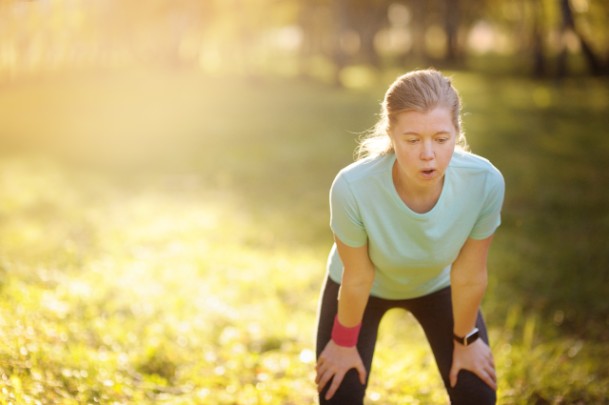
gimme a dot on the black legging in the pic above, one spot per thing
(434, 313)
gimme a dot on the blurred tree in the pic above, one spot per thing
(539, 65)
(341, 26)
(452, 14)
(313, 20)
(366, 19)
(357, 23)
(249, 36)
(419, 12)
(568, 27)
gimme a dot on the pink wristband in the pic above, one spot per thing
(343, 336)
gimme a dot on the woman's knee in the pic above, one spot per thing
(351, 391)
(471, 390)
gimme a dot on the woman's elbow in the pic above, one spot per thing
(477, 279)
(362, 279)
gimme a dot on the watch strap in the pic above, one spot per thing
(468, 339)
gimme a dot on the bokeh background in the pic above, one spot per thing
(164, 170)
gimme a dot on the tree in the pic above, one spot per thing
(451, 26)
(568, 26)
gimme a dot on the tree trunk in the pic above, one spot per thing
(339, 59)
(308, 46)
(369, 21)
(419, 14)
(539, 63)
(451, 26)
(568, 24)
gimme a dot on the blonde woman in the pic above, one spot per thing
(413, 219)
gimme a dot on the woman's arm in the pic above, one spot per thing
(358, 275)
(468, 283)
(468, 279)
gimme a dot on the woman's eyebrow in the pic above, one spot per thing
(441, 132)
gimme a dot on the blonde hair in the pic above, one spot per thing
(419, 90)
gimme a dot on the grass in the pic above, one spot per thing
(163, 238)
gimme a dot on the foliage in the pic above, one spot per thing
(185, 267)
(300, 37)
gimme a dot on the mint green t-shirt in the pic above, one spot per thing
(412, 252)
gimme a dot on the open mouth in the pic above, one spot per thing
(428, 171)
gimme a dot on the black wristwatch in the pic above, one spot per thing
(468, 339)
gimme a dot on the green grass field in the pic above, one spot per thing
(163, 238)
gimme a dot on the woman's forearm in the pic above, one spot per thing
(466, 300)
(358, 276)
(468, 280)
(352, 300)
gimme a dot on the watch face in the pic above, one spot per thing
(469, 338)
(472, 337)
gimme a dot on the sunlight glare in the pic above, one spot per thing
(307, 356)
(481, 38)
(55, 305)
(288, 38)
(355, 77)
(399, 15)
(580, 6)
(393, 40)
(79, 288)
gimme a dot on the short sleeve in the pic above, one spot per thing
(345, 218)
(490, 215)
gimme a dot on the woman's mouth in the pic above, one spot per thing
(428, 172)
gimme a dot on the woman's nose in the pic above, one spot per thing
(427, 152)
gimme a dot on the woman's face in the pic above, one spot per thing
(424, 143)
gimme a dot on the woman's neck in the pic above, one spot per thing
(418, 199)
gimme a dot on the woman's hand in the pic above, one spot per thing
(333, 363)
(476, 358)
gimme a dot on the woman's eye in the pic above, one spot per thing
(442, 140)
(412, 140)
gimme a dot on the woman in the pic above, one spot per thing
(413, 221)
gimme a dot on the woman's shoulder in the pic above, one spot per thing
(470, 162)
(367, 167)
(475, 169)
